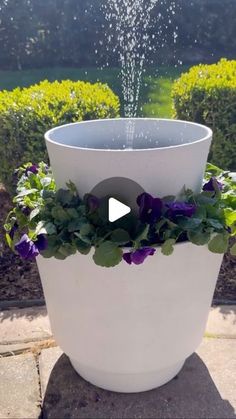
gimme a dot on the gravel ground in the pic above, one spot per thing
(20, 279)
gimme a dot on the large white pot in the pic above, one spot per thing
(130, 328)
(166, 155)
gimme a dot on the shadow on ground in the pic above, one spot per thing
(192, 394)
(227, 311)
(30, 314)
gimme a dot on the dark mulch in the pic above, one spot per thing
(20, 279)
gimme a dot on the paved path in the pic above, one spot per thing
(37, 378)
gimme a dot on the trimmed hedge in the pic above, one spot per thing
(26, 114)
(207, 94)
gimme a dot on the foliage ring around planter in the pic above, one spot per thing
(58, 223)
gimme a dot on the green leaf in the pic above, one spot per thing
(216, 224)
(75, 225)
(60, 214)
(189, 223)
(40, 228)
(60, 256)
(200, 213)
(230, 216)
(83, 238)
(71, 186)
(7, 227)
(50, 228)
(87, 230)
(47, 195)
(206, 198)
(52, 248)
(26, 192)
(212, 170)
(8, 240)
(160, 224)
(72, 213)
(200, 238)
(48, 253)
(233, 250)
(64, 196)
(230, 201)
(120, 236)
(82, 247)
(168, 247)
(142, 233)
(67, 249)
(45, 181)
(219, 243)
(34, 213)
(108, 254)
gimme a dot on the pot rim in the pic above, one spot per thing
(207, 137)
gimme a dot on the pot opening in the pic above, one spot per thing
(122, 134)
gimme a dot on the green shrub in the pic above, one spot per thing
(26, 114)
(207, 94)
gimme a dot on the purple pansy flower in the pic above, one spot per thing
(181, 208)
(13, 230)
(41, 243)
(138, 256)
(32, 169)
(150, 208)
(28, 249)
(26, 211)
(210, 186)
(93, 203)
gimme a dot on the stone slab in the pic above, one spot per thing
(222, 321)
(24, 325)
(205, 388)
(19, 387)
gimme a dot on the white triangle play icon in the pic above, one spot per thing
(117, 210)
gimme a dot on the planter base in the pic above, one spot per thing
(127, 383)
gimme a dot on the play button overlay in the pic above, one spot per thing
(117, 210)
(120, 196)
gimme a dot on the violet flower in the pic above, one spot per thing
(150, 208)
(26, 211)
(13, 230)
(32, 169)
(212, 184)
(28, 249)
(138, 256)
(41, 243)
(181, 208)
(92, 203)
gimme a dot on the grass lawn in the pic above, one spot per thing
(155, 98)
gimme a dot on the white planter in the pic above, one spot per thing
(130, 328)
(167, 155)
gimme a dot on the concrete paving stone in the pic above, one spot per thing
(47, 360)
(24, 325)
(205, 388)
(19, 387)
(15, 349)
(220, 357)
(222, 321)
